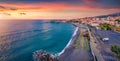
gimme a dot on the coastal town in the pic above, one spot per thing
(59, 30)
(104, 34)
(97, 39)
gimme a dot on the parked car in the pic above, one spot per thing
(105, 39)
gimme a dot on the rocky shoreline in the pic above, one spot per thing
(45, 56)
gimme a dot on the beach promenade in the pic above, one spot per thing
(79, 49)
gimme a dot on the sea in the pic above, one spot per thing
(20, 38)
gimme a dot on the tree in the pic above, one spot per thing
(116, 50)
(105, 26)
(102, 28)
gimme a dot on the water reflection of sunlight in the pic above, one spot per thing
(0, 16)
(3, 26)
(4, 44)
(46, 27)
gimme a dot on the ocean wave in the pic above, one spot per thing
(75, 32)
(58, 54)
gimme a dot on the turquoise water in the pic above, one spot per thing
(19, 39)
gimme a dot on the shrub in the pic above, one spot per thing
(105, 26)
(116, 50)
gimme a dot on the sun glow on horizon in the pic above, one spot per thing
(50, 11)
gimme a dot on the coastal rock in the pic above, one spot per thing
(44, 56)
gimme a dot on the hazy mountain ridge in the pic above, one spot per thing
(112, 15)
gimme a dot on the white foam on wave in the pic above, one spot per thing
(75, 32)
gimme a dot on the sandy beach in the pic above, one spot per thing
(71, 53)
(71, 47)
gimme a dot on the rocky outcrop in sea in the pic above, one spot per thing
(44, 56)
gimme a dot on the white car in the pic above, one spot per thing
(105, 39)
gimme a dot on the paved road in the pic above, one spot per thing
(80, 51)
(104, 47)
(112, 35)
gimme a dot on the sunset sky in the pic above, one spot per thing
(56, 9)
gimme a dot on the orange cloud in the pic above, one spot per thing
(50, 10)
(45, 6)
(48, 6)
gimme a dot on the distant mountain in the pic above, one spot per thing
(112, 15)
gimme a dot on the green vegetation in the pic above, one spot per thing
(116, 50)
(86, 44)
(78, 41)
(105, 26)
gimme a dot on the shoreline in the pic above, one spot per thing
(70, 46)
(66, 49)
(70, 41)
